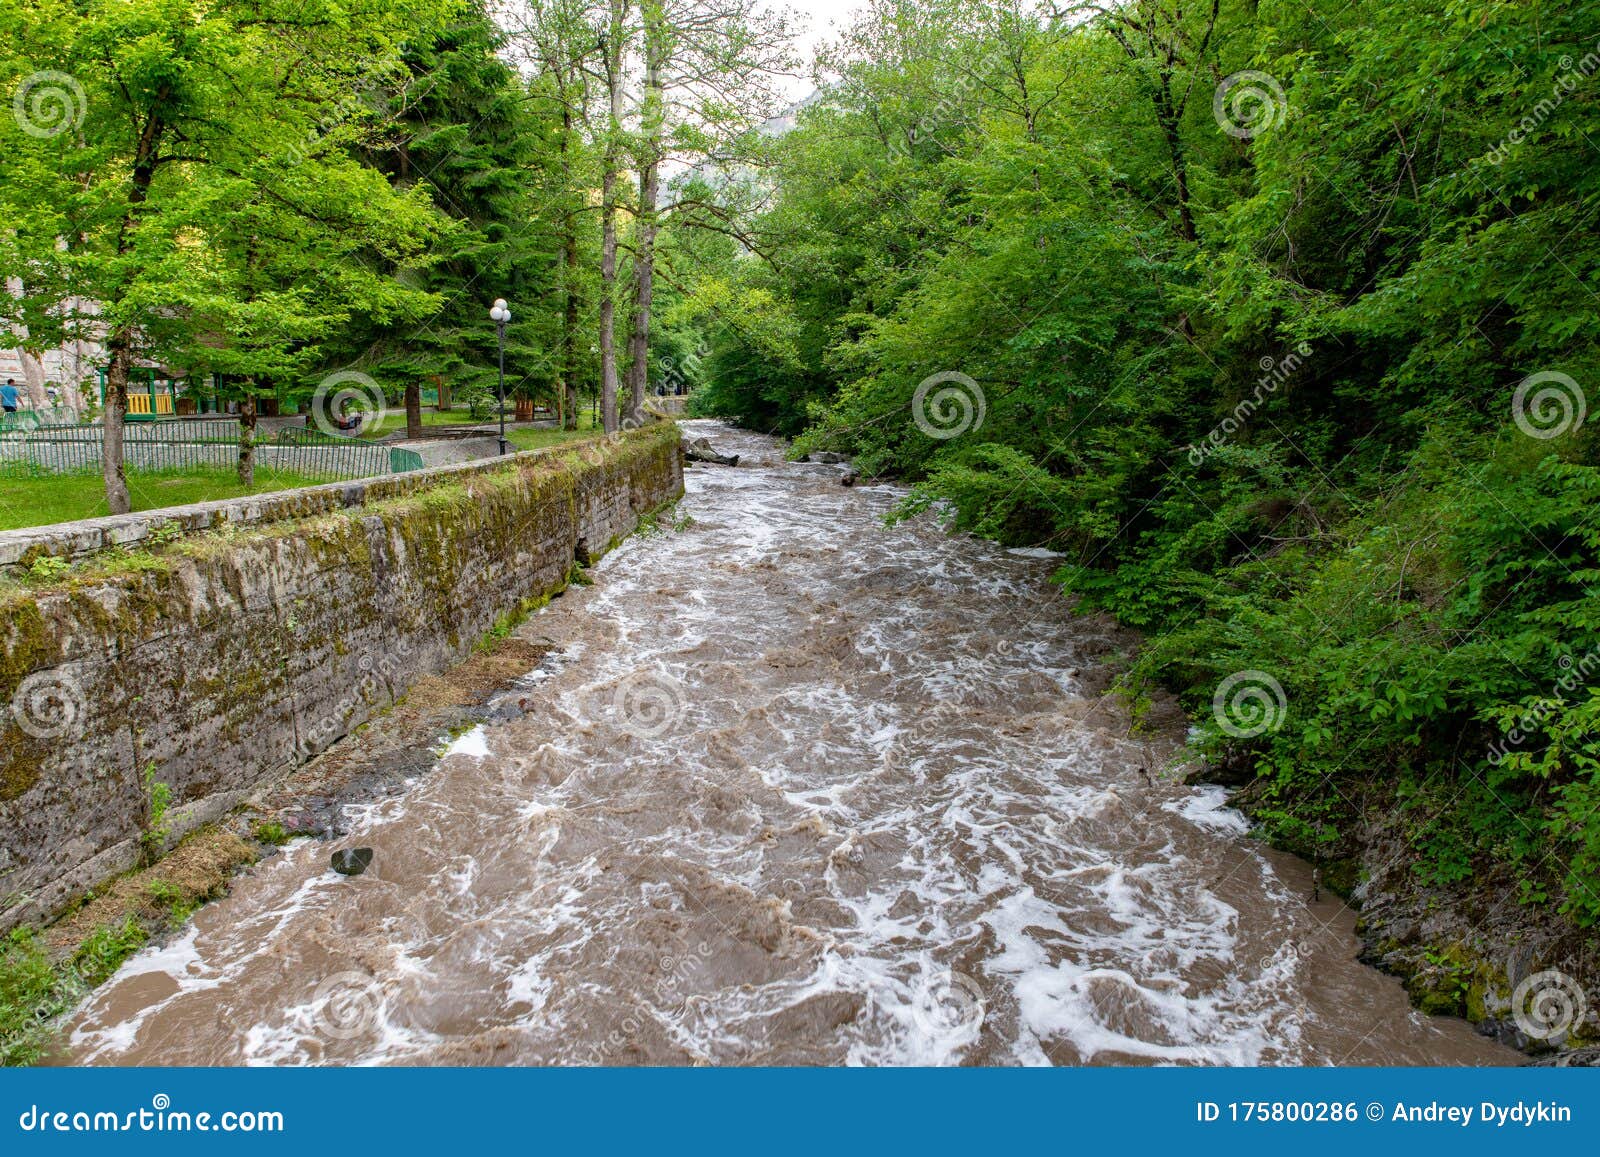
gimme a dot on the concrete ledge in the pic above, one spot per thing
(212, 667)
(74, 540)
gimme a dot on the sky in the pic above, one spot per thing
(821, 20)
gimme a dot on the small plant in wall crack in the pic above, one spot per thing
(157, 827)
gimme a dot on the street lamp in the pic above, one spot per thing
(500, 313)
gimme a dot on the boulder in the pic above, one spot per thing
(701, 450)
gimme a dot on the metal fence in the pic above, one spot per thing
(195, 443)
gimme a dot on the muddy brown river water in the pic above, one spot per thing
(796, 788)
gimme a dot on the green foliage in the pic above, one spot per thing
(270, 832)
(157, 827)
(172, 901)
(103, 952)
(1258, 388)
(29, 997)
(48, 567)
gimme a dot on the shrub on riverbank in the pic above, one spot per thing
(1278, 321)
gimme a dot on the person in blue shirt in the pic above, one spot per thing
(9, 395)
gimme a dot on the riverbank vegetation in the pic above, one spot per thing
(314, 206)
(1277, 320)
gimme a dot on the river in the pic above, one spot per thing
(797, 788)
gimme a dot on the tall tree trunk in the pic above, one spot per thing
(567, 387)
(608, 305)
(608, 218)
(413, 408)
(120, 345)
(569, 326)
(1167, 115)
(644, 250)
(247, 437)
(33, 381)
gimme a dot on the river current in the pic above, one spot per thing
(796, 787)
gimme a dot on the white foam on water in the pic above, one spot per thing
(474, 743)
(1207, 807)
(880, 795)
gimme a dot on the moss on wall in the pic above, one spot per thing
(226, 656)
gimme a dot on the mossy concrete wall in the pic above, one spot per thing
(226, 646)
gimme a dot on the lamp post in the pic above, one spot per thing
(500, 313)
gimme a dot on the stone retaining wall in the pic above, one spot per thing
(212, 648)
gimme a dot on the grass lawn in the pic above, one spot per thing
(539, 439)
(38, 499)
(394, 421)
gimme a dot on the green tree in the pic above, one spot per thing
(162, 100)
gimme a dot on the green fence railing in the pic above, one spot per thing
(20, 420)
(194, 443)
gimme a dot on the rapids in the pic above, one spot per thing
(797, 788)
